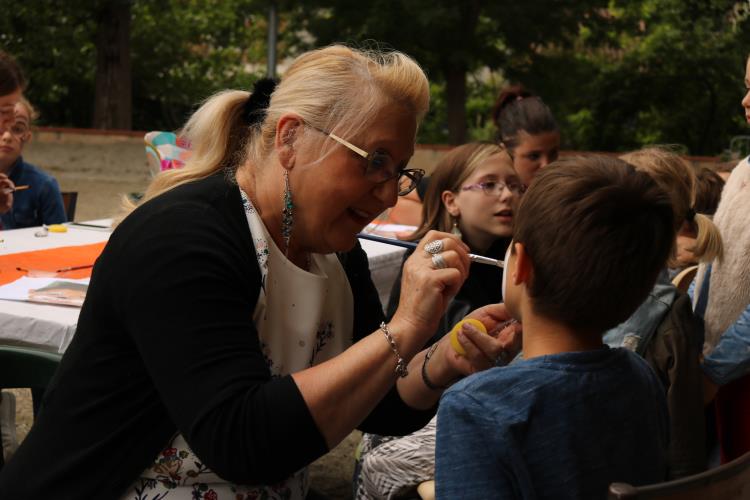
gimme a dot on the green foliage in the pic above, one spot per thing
(181, 50)
(53, 42)
(650, 71)
(618, 74)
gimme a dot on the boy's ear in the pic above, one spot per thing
(287, 130)
(524, 268)
(449, 200)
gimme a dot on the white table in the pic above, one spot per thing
(385, 263)
(51, 328)
(43, 326)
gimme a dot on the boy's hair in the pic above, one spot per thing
(597, 233)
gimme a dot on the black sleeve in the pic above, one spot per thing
(391, 416)
(395, 295)
(186, 294)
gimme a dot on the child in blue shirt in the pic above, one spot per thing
(574, 415)
(41, 202)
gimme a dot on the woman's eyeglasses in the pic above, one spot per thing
(380, 166)
(495, 188)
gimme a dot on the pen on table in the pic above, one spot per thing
(479, 259)
(83, 224)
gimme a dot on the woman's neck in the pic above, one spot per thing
(268, 202)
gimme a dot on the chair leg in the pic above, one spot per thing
(8, 424)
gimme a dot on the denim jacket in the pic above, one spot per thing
(40, 204)
(646, 318)
(730, 359)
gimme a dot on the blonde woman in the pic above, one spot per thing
(223, 345)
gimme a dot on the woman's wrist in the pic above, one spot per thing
(409, 337)
(437, 373)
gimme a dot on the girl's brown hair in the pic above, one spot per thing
(677, 178)
(452, 170)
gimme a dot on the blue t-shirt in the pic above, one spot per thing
(558, 426)
(40, 204)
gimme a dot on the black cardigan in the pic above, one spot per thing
(165, 344)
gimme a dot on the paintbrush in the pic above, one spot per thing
(479, 259)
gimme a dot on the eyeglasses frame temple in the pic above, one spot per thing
(345, 143)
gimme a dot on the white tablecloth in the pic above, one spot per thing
(51, 327)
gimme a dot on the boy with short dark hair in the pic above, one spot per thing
(591, 235)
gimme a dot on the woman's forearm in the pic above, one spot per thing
(342, 391)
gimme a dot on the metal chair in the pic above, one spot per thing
(25, 367)
(730, 481)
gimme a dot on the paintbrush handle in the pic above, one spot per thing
(74, 268)
(479, 259)
(388, 241)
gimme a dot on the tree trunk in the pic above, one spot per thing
(455, 92)
(113, 104)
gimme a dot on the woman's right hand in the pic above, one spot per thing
(425, 290)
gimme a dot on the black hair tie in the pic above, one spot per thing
(255, 108)
(690, 214)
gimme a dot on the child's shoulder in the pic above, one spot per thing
(549, 374)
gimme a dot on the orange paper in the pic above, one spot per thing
(50, 260)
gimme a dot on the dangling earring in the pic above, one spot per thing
(455, 229)
(287, 214)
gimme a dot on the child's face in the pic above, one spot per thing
(487, 200)
(14, 136)
(534, 152)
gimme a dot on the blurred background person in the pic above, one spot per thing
(527, 129)
(722, 299)
(41, 203)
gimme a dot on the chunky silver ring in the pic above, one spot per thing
(434, 247)
(438, 262)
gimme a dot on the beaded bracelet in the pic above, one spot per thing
(425, 378)
(400, 363)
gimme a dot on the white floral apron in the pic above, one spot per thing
(303, 318)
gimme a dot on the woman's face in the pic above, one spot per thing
(485, 212)
(534, 152)
(746, 99)
(333, 200)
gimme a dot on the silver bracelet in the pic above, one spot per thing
(425, 378)
(400, 363)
